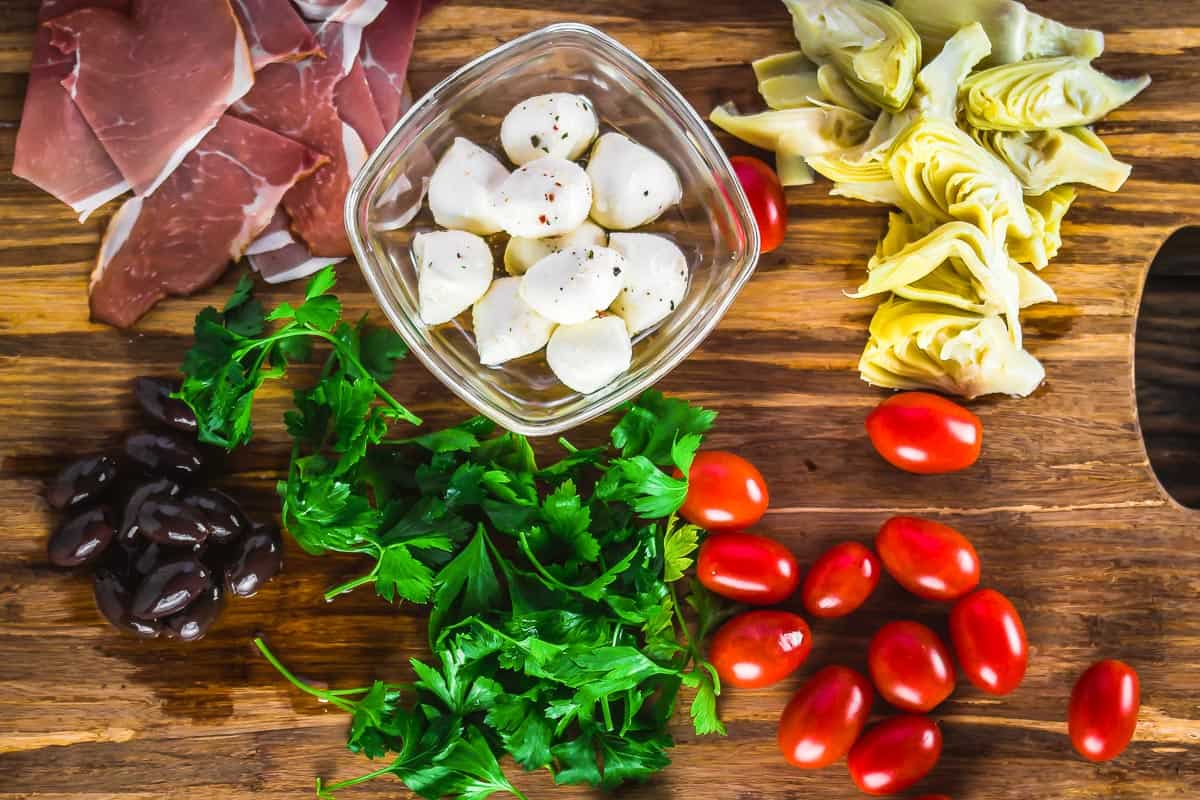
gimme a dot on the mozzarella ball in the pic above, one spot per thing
(631, 184)
(454, 269)
(505, 326)
(590, 355)
(520, 254)
(656, 276)
(547, 197)
(462, 187)
(573, 285)
(560, 125)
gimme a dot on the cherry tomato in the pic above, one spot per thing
(760, 648)
(840, 580)
(925, 433)
(1103, 710)
(927, 558)
(824, 717)
(895, 754)
(748, 568)
(910, 666)
(725, 492)
(767, 201)
(989, 641)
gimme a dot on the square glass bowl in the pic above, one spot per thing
(713, 225)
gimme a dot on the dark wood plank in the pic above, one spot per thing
(1064, 506)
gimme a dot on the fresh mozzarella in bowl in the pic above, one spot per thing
(547, 197)
(462, 187)
(572, 285)
(520, 253)
(591, 354)
(655, 278)
(454, 269)
(560, 125)
(505, 326)
(631, 184)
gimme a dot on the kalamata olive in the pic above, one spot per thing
(112, 598)
(82, 538)
(164, 454)
(195, 620)
(219, 512)
(259, 559)
(164, 487)
(167, 520)
(154, 396)
(169, 588)
(82, 481)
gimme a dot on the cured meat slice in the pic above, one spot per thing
(152, 85)
(56, 149)
(347, 12)
(386, 49)
(204, 215)
(274, 32)
(298, 101)
(290, 262)
(357, 108)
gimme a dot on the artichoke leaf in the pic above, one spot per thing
(810, 131)
(787, 80)
(882, 192)
(777, 65)
(942, 172)
(835, 90)
(1042, 160)
(915, 345)
(1044, 93)
(870, 43)
(792, 168)
(936, 91)
(1016, 33)
(865, 162)
(1046, 212)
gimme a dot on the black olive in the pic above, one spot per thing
(164, 488)
(166, 520)
(259, 559)
(164, 454)
(82, 538)
(154, 396)
(219, 512)
(82, 481)
(169, 588)
(112, 598)
(195, 620)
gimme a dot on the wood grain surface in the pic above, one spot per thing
(1063, 507)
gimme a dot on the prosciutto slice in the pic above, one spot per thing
(298, 101)
(152, 85)
(357, 108)
(204, 215)
(347, 12)
(386, 49)
(274, 32)
(56, 149)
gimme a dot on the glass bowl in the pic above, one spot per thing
(713, 225)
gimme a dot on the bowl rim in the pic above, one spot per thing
(655, 372)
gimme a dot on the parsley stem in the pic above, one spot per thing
(320, 694)
(328, 789)
(351, 585)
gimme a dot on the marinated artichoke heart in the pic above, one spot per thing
(838, 92)
(917, 345)
(1016, 33)
(871, 44)
(809, 131)
(943, 173)
(1044, 93)
(965, 255)
(1046, 212)
(936, 92)
(1042, 160)
(787, 80)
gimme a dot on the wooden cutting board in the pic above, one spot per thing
(1063, 507)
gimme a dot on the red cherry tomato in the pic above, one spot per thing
(840, 580)
(925, 433)
(760, 648)
(989, 641)
(927, 558)
(748, 568)
(895, 754)
(824, 717)
(910, 666)
(767, 201)
(1104, 710)
(725, 492)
